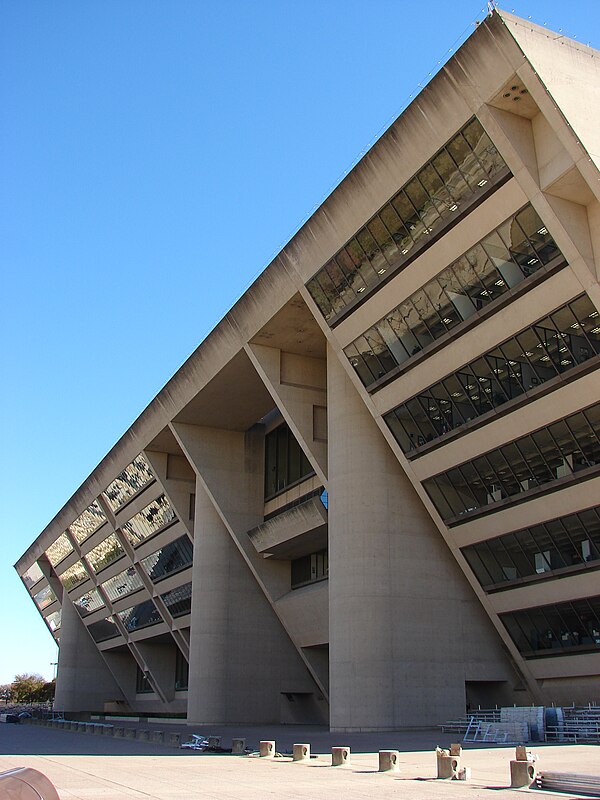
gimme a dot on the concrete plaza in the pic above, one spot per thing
(102, 768)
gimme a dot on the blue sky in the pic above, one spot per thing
(154, 157)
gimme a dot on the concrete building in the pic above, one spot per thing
(369, 498)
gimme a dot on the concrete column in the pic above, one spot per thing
(241, 658)
(402, 616)
(83, 681)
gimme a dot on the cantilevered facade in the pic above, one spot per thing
(372, 494)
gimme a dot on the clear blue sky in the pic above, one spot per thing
(154, 156)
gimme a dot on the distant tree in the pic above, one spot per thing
(6, 692)
(27, 688)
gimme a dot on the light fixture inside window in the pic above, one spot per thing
(564, 349)
(404, 252)
(575, 325)
(361, 289)
(543, 231)
(499, 283)
(593, 314)
(595, 330)
(455, 394)
(532, 261)
(485, 293)
(453, 207)
(447, 320)
(482, 182)
(565, 361)
(381, 271)
(545, 358)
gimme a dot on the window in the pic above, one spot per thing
(44, 597)
(142, 684)
(544, 456)
(151, 519)
(73, 576)
(104, 553)
(133, 478)
(530, 358)
(58, 551)
(178, 601)
(140, 616)
(310, 569)
(122, 584)
(88, 602)
(469, 285)
(468, 168)
(103, 629)
(88, 522)
(32, 575)
(170, 559)
(285, 462)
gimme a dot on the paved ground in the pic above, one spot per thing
(90, 767)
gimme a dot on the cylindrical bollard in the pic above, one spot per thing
(143, 735)
(130, 733)
(266, 749)
(158, 737)
(214, 742)
(108, 730)
(238, 747)
(447, 767)
(389, 761)
(340, 756)
(301, 752)
(174, 739)
(522, 774)
(119, 732)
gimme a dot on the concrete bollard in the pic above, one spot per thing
(266, 749)
(238, 747)
(89, 727)
(521, 753)
(108, 730)
(173, 739)
(130, 733)
(158, 737)
(143, 735)
(119, 732)
(340, 756)
(522, 774)
(99, 729)
(214, 741)
(456, 750)
(447, 767)
(389, 761)
(301, 752)
(74, 725)
(81, 726)
(464, 774)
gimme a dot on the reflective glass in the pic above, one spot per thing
(44, 597)
(169, 559)
(140, 616)
(468, 166)
(73, 576)
(129, 482)
(476, 279)
(309, 569)
(59, 550)
(491, 380)
(103, 629)
(54, 620)
(149, 520)
(179, 600)
(32, 575)
(122, 584)
(105, 553)
(182, 672)
(88, 602)
(548, 454)
(88, 522)
(285, 462)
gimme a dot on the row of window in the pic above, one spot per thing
(88, 522)
(89, 602)
(155, 516)
(567, 542)
(567, 337)
(44, 597)
(467, 167)
(285, 462)
(553, 452)
(496, 264)
(555, 629)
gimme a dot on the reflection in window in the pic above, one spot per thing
(555, 629)
(285, 462)
(567, 337)
(105, 553)
(103, 629)
(498, 263)
(73, 576)
(557, 451)
(467, 168)
(129, 482)
(169, 559)
(140, 616)
(182, 672)
(88, 522)
(59, 550)
(568, 542)
(310, 569)
(179, 600)
(88, 602)
(44, 597)
(122, 584)
(32, 575)
(54, 620)
(152, 518)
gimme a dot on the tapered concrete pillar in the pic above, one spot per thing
(241, 659)
(404, 623)
(83, 681)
